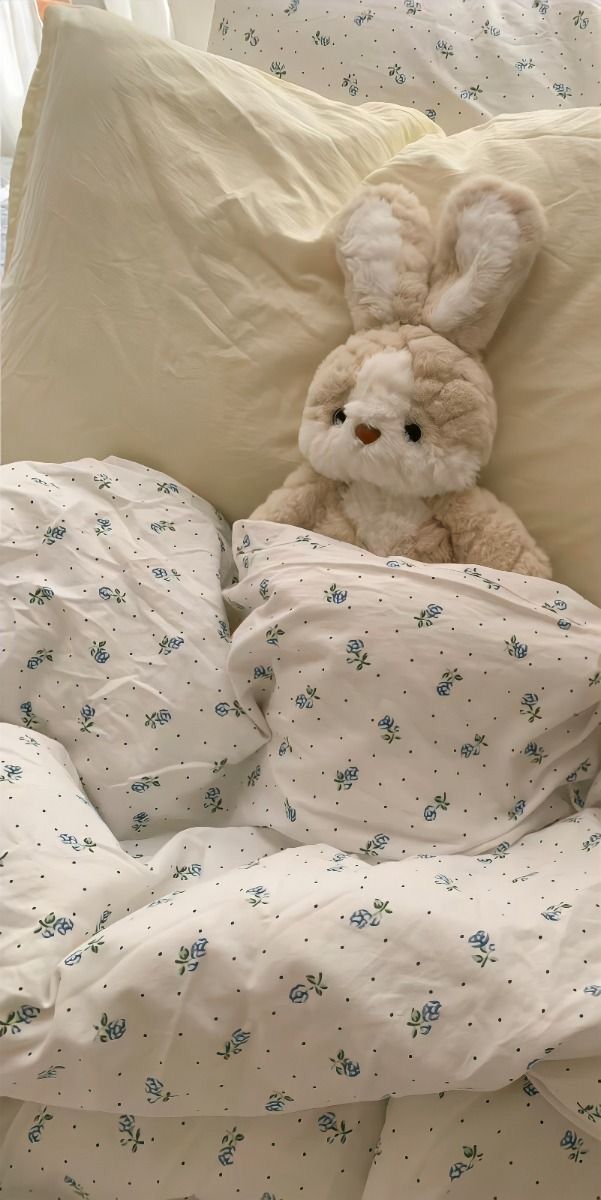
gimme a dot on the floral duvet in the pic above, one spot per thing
(307, 911)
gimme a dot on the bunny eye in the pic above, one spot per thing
(413, 433)
(339, 417)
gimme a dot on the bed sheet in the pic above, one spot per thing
(459, 63)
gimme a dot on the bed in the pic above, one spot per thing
(286, 913)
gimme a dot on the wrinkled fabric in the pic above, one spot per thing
(265, 1003)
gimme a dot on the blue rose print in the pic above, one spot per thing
(29, 718)
(264, 589)
(592, 1112)
(257, 895)
(40, 656)
(273, 635)
(428, 615)
(473, 749)
(554, 911)
(40, 595)
(19, 1017)
(363, 917)
(86, 718)
(51, 924)
(300, 992)
(168, 645)
(10, 773)
(445, 881)
(53, 534)
(534, 752)
(277, 1102)
(103, 527)
(103, 480)
(77, 1188)
(69, 839)
(229, 1142)
(191, 872)
(346, 778)
(421, 1020)
(253, 777)
(335, 1129)
(335, 595)
(284, 748)
(515, 648)
(167, 486)
(570, 1141)
(482, 943)
(212, 800)
(517, 810)
(471, 1156)
(390, 730)
(99, 652)
(375, 844)
(110, 1031)
(439, 804)
(449, 679)
(156, 1091)
(235, 1043)
(162, 526)
(107, 593)
(188, 958)
(155, 719)
(145, 783)
(344, 1065)
(263, 672)
(224, 710)
(289, 811)
(140, 821)
(592, 989)
(356, 654)
(50, 1072)
(307, 698)
(530, 707)
(132, 1136)
(39, 1122)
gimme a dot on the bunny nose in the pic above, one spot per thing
(367, 434)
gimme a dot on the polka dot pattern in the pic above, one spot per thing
(459, 63)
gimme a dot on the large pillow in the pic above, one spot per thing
(412, 708)
(115, 637)
(175, 206)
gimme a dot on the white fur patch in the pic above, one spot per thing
(487, 237)
(382, 520)
(369, 248)
(383, 397)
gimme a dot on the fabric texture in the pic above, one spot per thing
(111, 603)
(313, 984)
(185, 306)
(460, 63)
(448, 683)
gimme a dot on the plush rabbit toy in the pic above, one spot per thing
(399, 420)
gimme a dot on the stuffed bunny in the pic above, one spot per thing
(399, 420)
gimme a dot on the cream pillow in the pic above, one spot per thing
(171, 281)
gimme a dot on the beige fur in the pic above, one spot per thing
(412, 372)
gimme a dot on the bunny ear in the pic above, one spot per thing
(385, 248)
(489, 236)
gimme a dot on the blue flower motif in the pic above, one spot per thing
(298, 994)
(480, 938)
(198, 948)
(431, 1010)
(354, 646)
(569, 1138)
(226, 1156)
(87, 711)
(110, 1031)
(326, 1121)
(593, 989)
(73, 959)
(222, 709)
(430, 813)
(360, 918)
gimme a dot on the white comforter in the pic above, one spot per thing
(281, 917)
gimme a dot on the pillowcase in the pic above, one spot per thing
(115, 636)
(459, 63)
(413, 709)
(176, 207)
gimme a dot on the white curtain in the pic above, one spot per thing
(21, 32)
(20, 38)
